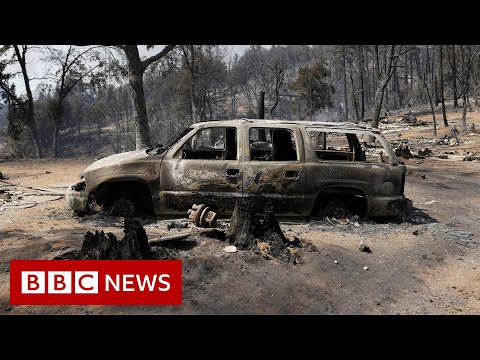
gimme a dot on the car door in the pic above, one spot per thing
(205, 169)
(274, 167)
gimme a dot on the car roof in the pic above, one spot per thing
(319, 124)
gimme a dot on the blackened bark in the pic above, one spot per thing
(241, 228)
(362, 90)
(345, 97)
(32, 124)
(134, 246)
(378, 101)
(247, 229)
(464, 113)
(354, 98)
(442, 96)
(383, 81)
(55, 139)
(411, 70)
(261, 105)
(432, 110)
(454, 78)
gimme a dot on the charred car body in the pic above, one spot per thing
(299, 166)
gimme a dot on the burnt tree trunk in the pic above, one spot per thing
(432, 109)
(411, 70)
(362, 89)
(136, 69)
(261, 105)
(355, 103)
(454, 78)
(464, 113)
(135, 80)
(383, 80)
(32, 124)
(345, 95)
(55, 139)
(189, 57)
(442, 93)
(434, 78)
(240, 231)
(378, 102)
(247, 229)
(272, 234)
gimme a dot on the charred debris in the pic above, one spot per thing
(248, 231)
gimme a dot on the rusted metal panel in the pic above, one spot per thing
(281, 182)
(129, 166)
(383, 180)
(211, 181)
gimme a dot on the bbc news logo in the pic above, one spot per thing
(95, 282)
(59, 282)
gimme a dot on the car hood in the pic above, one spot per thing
(135, 165)
(118, 159)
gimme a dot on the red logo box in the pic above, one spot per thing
(96, 282)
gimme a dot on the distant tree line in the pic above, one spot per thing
(107, 99)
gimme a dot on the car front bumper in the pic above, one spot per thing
(77, 198)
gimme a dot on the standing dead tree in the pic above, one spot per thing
(71, 71)
(475, 83)
(207, 72)
(345, 93)
(26, 106)
(422, 72)
(452, 60)
(468, 54)
(136, 69)
(384, 73)
(278, 74)
(190, 57)
(442, 93)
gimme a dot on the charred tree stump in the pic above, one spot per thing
(271, 233)
(135, 243)
(250, 231)
(241, 228)
(98, 247)
(134, 246)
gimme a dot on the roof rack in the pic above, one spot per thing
(339, 125)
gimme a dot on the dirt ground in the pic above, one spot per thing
(429, 264)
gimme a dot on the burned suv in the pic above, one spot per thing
(300, 167)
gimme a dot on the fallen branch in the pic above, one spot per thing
(51, 192)
(179, 236)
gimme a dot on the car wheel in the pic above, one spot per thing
(122, 206)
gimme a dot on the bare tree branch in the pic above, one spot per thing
(80, 78)
(404, 51)
(158, 56)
